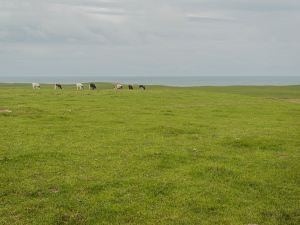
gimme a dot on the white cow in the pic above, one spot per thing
(79, 86)
(36, 86)
(118, 86)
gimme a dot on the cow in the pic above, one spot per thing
(36, 86)
(119, 86)
(79, 86)
(56, 86)
(92, 86)
(142, 87)
(130, 87)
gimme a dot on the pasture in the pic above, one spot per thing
(167, 155)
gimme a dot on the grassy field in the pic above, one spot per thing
(207, 155)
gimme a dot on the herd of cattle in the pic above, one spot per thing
(92, 86)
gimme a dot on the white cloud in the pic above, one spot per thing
(150, 36)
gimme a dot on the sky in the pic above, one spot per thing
(149, 37)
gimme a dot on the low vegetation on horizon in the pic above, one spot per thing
(167, 155)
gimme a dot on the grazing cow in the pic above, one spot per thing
(142, 87)
(79, 86)
(57, 86)
(119, 86)
(130, 87)
(92, 86)
(36, 86)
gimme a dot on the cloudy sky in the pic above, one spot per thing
(149, 37)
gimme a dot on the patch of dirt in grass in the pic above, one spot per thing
(70, 217)
(294, 100)
(5, 110)
(290, 100)
(54, 190)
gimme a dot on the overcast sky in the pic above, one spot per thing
(149, 37)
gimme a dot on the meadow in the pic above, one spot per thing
(167, 155)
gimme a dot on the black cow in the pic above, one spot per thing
(130, 87)
(57, 86)
(142, 87)
(92, 86)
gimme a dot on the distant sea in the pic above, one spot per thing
(161, 80)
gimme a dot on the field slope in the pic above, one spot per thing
(207, 155)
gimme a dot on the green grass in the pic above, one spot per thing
(210, 155)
